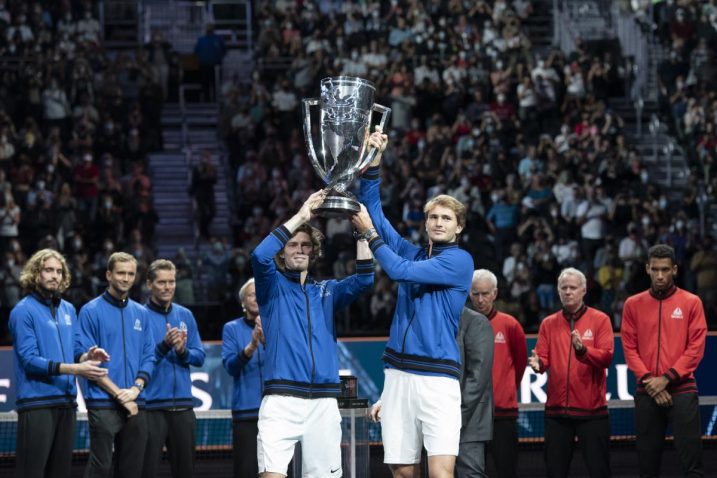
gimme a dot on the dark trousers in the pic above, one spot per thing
(244, 435)
(594, 438)
(176, 429)
(504, 447)
(45, 438)
(470, 462)
(110, 428)
(651, 423)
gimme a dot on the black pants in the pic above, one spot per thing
(110, 428)
(504, 447)
(244, 435)
(651, 423)
(470, 462)
(593, 436)
(176, 429)
(45, 438)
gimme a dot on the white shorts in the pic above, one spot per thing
(417, 411)
(316, 423)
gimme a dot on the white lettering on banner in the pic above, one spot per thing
(622, 380)
(528, 388)
(608, 394)
(4, 383)
(200, 394)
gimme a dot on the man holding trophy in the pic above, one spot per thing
(421, 399)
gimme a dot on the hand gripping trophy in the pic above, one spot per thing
(346, 105)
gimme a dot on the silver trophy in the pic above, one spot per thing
(346, 105)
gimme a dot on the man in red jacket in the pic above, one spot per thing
(663, 336)
(510, 356)
(575, 345)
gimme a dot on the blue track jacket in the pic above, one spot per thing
(43, 338)
(120, 327)
(171, 384)
(431, 293)
(248, 374)
(298, 322)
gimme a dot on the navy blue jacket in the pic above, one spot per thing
(432, 291)
(43, 338)
(171, 384)
(298, 322)
(248, 373)
(120, 327)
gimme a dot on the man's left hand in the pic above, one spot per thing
(655, 385)
(577, 341)
(361, 220)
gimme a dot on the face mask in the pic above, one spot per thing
(645, 221)
(680, 224)
(77, 244)
(662, 203)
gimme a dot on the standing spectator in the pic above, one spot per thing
(475, 341)
(160, 52)
(56, 107)
(243, 349)
(204, 177)
(576, 346)
(509, 359)
(209, 50)
(9, 220)
(170, 418)
(119, 325)
(591, 216)
(663, 336)
(87, 180)
(42, 327)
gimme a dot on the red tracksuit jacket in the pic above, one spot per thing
(576, 383)
(664, 336)
(510, 356)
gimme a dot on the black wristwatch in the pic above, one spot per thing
(366, 235)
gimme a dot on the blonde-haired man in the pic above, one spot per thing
(42, 327)
(119, 325)
(421, 399)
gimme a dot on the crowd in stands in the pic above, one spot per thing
(525, 138)
(75, 126)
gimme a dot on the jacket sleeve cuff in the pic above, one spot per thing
(364, 266)
(645, 377)
(163, 348)
(53, 368)
(243, 357)
(144, 376)
(582, 351)
(672, 376)
(184, 355)
(373, 172)
(282, 234)
(375, 243)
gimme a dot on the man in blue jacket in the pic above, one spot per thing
(301, 371)
(42, 327)
(421, 399)
(170, 415)
(118, 325)
(209, 50)
(243, 356)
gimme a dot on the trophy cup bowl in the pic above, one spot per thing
(345, 110)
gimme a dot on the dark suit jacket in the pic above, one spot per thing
(475, 340)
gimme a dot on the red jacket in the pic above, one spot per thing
(664, 336)
(510, 356)
(577, 383)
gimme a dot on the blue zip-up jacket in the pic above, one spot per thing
(43, 338)
(171, 385)
(431, 293)
(298, 322)
(120, 327)
(248, 373)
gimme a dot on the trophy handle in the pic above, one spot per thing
(385, 115)
(306, 105)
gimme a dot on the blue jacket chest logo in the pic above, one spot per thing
(68, 320)
(138, 325)
(183, 326)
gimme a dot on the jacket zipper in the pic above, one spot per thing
(124, 347)
(659, 333)
(311, 348)
(567, 384)
(174, 372)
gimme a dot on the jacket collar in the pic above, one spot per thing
(152, 305)
(116, 302)
(440, 247)
(250, 323)
(577, 314)
(295, 276)
(493, 312)
(663, 294)
(54, 300)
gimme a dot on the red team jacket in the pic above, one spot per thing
(510, 356)
(577, 384)
(664, 336)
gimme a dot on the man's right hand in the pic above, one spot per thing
(314, 201)
(378, 140)
(534, 362)
(257, 335)
(90, 369)
(375, 413)
(663, 399)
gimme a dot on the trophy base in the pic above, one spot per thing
(338, 206)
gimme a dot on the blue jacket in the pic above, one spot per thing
(248, 374)
(171, 385)
(431, 294)
(43, 335)
(298, 322)
(210, 49)
(120, 327)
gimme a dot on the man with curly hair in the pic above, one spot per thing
(46, 361)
